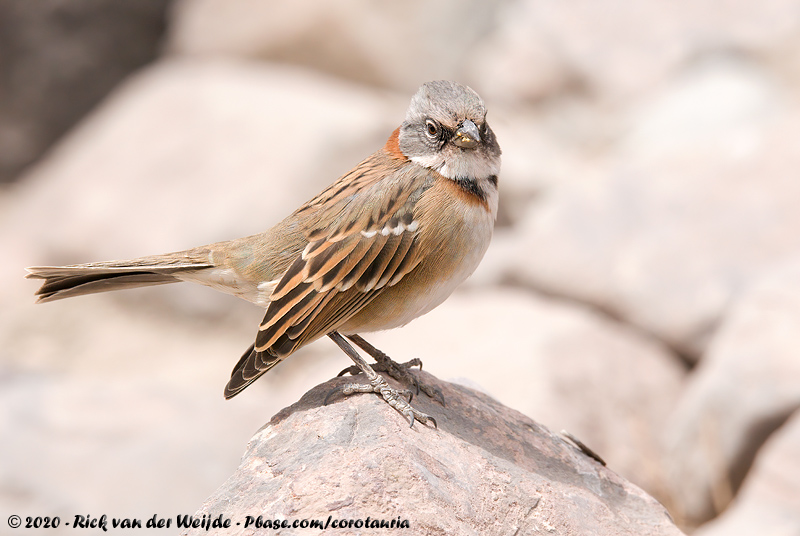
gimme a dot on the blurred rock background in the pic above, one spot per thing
(642, 290)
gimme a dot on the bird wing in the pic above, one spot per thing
(361, 240)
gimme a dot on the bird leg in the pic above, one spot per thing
(377, 384)
(398, 371)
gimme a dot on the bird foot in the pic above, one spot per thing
(402, 373)
(392, 396)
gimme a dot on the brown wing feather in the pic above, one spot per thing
(360, 240)
(370, 276)
(290, 308)
(342, 307)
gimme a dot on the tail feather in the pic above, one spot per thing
(67, 281)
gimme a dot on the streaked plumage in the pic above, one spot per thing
(384, 244)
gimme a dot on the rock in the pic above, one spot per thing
(747, 385)
(769, 501)
(666, 243)
(722, 100)
(59, 59)
(566, 367)
(486, 470)
(353, 39)
(518, 38)
(619, 52)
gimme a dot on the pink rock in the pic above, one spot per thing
(486, 470)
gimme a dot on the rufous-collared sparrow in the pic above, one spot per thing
(384, 244)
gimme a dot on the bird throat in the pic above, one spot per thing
(471, 186)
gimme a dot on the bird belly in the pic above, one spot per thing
(397, 306)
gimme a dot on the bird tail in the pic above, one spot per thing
(79, 279)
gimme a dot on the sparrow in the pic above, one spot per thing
(385, 243)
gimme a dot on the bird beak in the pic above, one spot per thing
(467, 135)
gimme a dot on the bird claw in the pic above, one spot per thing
(351, 370)
(392, 396)
(401, 373)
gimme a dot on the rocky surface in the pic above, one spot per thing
(640, 290)
(768, 501)
(747, 386)
(667, 236)
(570, 368)
(487, 470)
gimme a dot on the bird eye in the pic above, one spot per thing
(432, 128)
